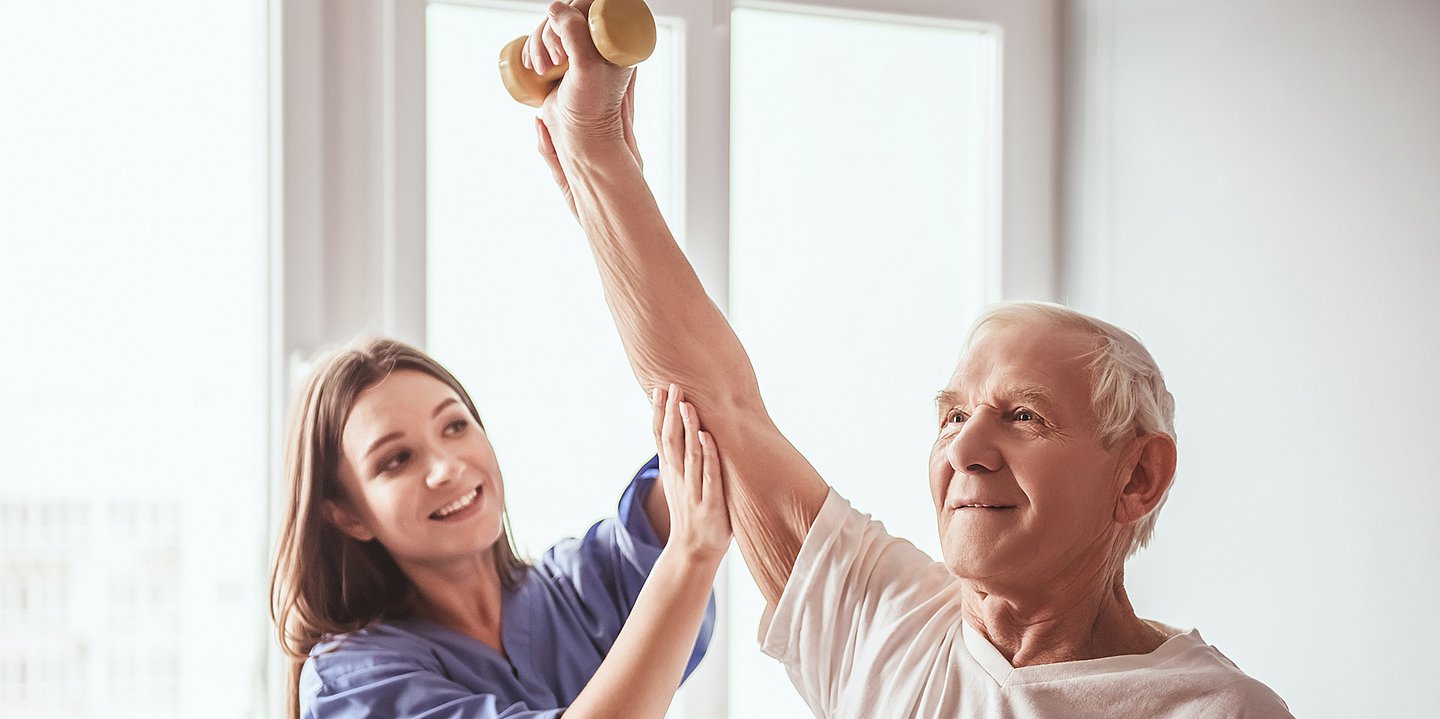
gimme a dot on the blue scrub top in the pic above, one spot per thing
(557, 627)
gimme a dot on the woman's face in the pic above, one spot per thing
(419, 474)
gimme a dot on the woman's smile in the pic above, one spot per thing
(465, 506)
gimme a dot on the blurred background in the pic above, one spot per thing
(196, 196)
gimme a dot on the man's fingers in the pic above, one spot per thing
(553, 47)
(546, 146)
(630, 95)
(569, 23)
(627, 120)
(547, 151)
(533, 54)
(543, 143)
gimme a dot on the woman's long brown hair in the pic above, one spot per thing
(324, 582)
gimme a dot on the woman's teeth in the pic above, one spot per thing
(457, 505)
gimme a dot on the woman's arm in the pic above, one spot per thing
(610, 589)
(668, 325)
(645, 665)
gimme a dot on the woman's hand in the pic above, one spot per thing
(691, 476)
(646, 664)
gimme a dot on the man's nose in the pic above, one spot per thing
(973, 449)
(444, 470)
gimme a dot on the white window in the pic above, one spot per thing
(133, 383)
(513, 302)
(514, 305)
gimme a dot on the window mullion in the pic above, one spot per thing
(405, 172)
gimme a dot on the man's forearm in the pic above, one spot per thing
(672, 332)
(670, 328)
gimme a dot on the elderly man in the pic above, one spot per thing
(1054, 450)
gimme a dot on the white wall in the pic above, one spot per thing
(1254, 188)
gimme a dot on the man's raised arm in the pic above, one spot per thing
(671, 330)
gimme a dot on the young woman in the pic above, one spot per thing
(397, 592)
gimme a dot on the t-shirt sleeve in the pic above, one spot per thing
(853, 606)
(1247, 698)
(397, 684)
(605, 570)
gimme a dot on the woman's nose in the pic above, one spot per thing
(973, 449)
(444, 471)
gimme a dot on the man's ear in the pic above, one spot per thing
(1151, 470)
(345, 520)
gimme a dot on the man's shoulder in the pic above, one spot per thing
(861, 578)
(1221, 688)
(849, 542)
(842, 529)
(1249, 698)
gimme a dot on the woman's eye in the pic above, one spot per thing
(395, 462)
(456, 427)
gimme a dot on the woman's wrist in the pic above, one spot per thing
(691, 559)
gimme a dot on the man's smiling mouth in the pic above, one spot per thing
(980, 505)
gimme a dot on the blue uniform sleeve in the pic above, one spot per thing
(399, 685)
(608, 566)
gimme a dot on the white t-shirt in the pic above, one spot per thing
(869, 626)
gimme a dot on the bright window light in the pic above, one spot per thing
(857, 218)
(132, 385)
(515, 306)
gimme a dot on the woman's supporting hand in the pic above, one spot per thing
(691, 477)
(644, 667)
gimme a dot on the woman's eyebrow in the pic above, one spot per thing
(376, 444)
(396, 435)
(443, 404)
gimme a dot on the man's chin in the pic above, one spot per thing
(970, 559)
(966, 564)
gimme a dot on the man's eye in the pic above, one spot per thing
(955, 417)
(1025, 415)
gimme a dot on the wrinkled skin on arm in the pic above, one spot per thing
(671, 330)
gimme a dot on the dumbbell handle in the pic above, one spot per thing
(623, 31)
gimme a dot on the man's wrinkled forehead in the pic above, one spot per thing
(1024, 362)
(1019, 392)
(1010, 385)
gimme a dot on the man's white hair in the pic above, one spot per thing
(1127, 390)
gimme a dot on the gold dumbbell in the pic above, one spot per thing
(623, 31)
